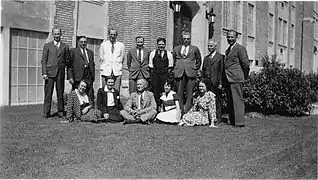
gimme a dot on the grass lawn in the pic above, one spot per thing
(271, 147)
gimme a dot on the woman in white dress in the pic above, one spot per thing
(169, 105)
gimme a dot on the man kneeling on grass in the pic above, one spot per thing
(141, 105)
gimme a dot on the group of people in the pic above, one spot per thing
(181, 89)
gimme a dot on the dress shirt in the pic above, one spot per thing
(110, 96)
(85, 50)
(186, 49)
(138, 99)
(57, 44)
(142, 53)
(111, 61)
(153, 53)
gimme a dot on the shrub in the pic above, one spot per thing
(276, 90)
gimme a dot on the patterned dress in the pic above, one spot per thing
(76, 103)
(202, 112)
(170, 113)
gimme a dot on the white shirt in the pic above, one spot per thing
(85, 53)
(57, 44)
(110, 96)
(153, 53)
(142, 54)
(138, 99)
(111, 61)
(187, 49)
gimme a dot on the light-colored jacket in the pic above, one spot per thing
(111, 61)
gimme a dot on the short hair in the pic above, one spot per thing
(232, 30)
(80, 37)
(110, 77)
(145, 82)
(186, 33)
(112, 29)
(212, 41)
(161, 39)
(140, 37)
(169, 82)
(57, 28)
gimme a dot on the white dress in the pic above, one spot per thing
(170, 113)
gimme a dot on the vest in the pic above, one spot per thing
(160, 64)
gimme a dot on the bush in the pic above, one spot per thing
(276, 90)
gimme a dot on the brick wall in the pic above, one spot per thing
(64, 19)
(138, 18)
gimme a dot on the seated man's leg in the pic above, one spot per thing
(127, 116)
(148, 116)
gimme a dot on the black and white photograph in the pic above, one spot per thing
(126, 89)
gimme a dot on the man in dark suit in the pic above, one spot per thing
(187, 62)
(212, 69)
(236, 68)
(82, 66)
(54, 58)
(138, 64)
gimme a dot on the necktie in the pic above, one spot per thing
(57, 45)
(139, 55)
(84, 53)
(228, 50)
(141, 102)
(113, 47)
(184, 52)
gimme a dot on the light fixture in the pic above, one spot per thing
(210, 16)
(176, 6)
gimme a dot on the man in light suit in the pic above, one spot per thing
(138, 64)
(236, 68)
(54, 58)
(212, 69)
(82, 66)
(187, 62)
(112, 57)
(141, 105)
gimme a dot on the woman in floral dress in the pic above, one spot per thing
(203, 111)
(169, 105)
(79, 107)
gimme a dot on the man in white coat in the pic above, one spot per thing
(112, 57)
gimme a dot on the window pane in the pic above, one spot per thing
(22, 76)
(14, 95)
(23, 40)
(32, 57)
(22, 94)
(14, 57)
(14, 39)
(32, 94)
(32, 76)
(40, 93)
(39, 73)
(33, 41)
(22, 57)
(39, 57)
(14, 75)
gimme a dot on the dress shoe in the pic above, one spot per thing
(46, 116)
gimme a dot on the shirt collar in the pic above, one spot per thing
(107, 90)
(213, 54)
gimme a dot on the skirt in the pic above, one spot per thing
(91, 115)
(114, 115)
(171, 116)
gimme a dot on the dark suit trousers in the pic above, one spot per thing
(157, 83)
(235, 101)
(89, 90)
(218, 97)
(186, 83)
(48, 92)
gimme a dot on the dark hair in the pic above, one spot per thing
(169, 82)
(84, 81)
(57, 28)
(139, 37)
(80, 37)
(110, 77)
(207, 83)
(161, 39)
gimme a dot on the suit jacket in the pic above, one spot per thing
(213, 68)
(54, 59)
(136, 68)
(236, 64)
(78, 63)
(102, 100)
(149, 102)
(190, 64)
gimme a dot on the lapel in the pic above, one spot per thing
(232, 50)
(60, 49)
(178, 51)
(214, 59)
(78, 50)
(115, 97)
(145, 99)
(53, 47)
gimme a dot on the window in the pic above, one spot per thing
(271, 27)
(279, 31)
(285, 32)
(292, 36)
(226, 14)
(236, 14)
(250, 20)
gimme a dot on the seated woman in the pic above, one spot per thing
(169, 105)
(108, 102)
(203, 111)
(79, 107)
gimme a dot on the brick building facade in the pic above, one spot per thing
(264, 28)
